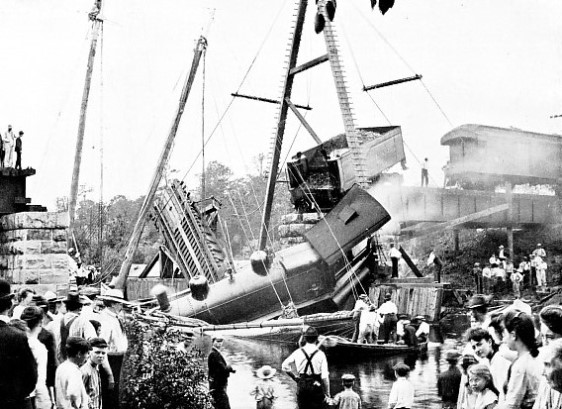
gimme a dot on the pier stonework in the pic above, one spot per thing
(33, 250)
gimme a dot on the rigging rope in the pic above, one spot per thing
(100, 209)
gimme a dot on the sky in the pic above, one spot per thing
(493, 63)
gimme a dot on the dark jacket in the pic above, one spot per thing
(219, 370)
(18, 373)
(48, 339)
(448, 384)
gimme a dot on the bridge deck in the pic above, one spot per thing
(409, 205)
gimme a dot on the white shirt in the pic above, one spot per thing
(388, 307)
(68, 383)
(112, 332)
(423, 329)
(319, 361)
(487, 272)
(401, 394)
(395, 253)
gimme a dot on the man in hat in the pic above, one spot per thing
(405, 331)
(449, 382)
(219, 371)
(312, 376)
(18, 369)
(72, 324)
(47, 338)
(422, 333)
(113, 332)
(478, 306)
(388, 311)
(362, 304)
(539, 251)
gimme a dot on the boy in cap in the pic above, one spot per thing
(348, 398)
(313, 378)
(449, 382)
(69, 388)
(264, 391)
(402, 392)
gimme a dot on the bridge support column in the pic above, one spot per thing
(509, 200)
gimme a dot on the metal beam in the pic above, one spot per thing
(310, 64)
(271, 101)
(393, 82)
(303, 121)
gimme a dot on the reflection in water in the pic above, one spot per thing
(374, 377)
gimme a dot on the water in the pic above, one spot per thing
(374, 378)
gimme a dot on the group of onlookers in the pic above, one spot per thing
(63, 352)
(10, 144)
(500, 273)
(512, 359)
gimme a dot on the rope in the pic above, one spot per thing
(203, 128)
(370, 23)
(100, 209)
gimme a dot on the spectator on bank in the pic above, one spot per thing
(467, 398)
(549, 394)
(486, 279)
(501, 256)
(72, 324)
(516, 280)
(494, 262)
(525, 372)
(69, 388)
(25, 299)
(9, 141)
(477, 277)
(91, 372)
(539, 251)
(448, 382)
(541, 274)
(487, 351)
(33, 317)
(482, 385)
(18, 373)
(18, 149)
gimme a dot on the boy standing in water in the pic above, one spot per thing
(348, 398)
(402, 392)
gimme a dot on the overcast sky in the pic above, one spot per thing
(494, 63)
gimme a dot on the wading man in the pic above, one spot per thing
(311, 368)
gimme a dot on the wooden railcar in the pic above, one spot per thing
(482, 157)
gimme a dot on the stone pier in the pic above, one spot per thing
(33, 250)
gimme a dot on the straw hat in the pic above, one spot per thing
(348, 377)
(51, 297)
(452, 355)
(113, 294)
(266, 372)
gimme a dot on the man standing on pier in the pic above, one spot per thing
(8, 139)
(18, 150)
(395, 256)
(313, 379)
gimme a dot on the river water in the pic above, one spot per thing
(374, 377)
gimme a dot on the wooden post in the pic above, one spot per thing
(97, 23)
(456, 240)
(146, 205)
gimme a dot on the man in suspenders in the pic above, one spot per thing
(308, 366)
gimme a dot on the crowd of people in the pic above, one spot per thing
(383, 324)
(500, 273)
(10, 149)
(63, 352)
(511, 359)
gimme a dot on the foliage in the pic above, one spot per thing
(158, 375)
(103, 229)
